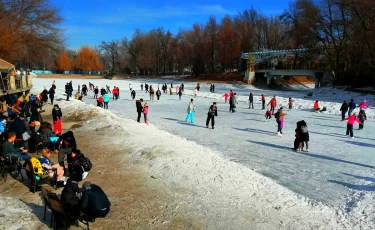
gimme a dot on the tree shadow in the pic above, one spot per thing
(255, 131)
(354, 186)
(181, 122)
(337, 160)
(270, 145)
(370, 179)
(322, 118)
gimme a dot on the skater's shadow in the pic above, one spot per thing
(354, 186)
(255, 131)
(370, 179)
(337, 160)
(181, 122)
(360, 144)
(338, 135)
(331, 126)
(270, 145)
(170, 119)
(321, 118)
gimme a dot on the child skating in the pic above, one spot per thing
(349, 127)
(268, 115)
(145, 112)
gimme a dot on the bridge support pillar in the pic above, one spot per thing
(249, 77)
(23, 81)
(12, 82)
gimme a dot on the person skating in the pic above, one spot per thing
(103, 91)
(179, 93)
(96, 92)
(349, 127)
(273, 104)
(195, 92)
(142, 86)
(190, 111)
(290, 103)
(57, 119)
(51, 93)
(132, 94)
(212, 113)
(170, 91)
(79, 88)
(232, 103)
(302, 135)
(362, 117)
(268, 115)
(99, 101)
(344, 108)
(183, 87)
(226, 96)
(158, 94)
(213, 88)
(67, 91)
(54, 84)
(105, 100)
(251, 101)
(114, 93)
(363, 105)
(263, 102)
(316, 106)
(352, 106)
(279, 116)
(152, 93)
(146, 87)
(145, 112)
(138, 104)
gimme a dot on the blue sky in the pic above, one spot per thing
(88, 22)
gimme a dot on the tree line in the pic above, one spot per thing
(338, 34)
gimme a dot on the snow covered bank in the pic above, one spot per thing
(225, 194)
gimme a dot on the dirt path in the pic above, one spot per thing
(138, 202)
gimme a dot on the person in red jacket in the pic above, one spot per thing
(349, 127)
(316, 106)
(273, 104)
(99, 101)
(263, 101)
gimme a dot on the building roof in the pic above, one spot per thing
(4, 65)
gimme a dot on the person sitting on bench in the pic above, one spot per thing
(49, 166)
(10, 150)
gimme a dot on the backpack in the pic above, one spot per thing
(86, 164)
(304, 129)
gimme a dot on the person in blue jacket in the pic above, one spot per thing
(352, 106)
(105, 100)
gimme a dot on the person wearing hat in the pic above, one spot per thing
(279, 115)
(212, 112)
(94, 202)
(349, 127)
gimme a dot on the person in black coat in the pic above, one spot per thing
(212, 113)
(51, 93)
(94, 202)
(352, 106)
(344, 108)
(133, 94)
(64, 146)
(138, 104)
(302, 136)
(45, 95)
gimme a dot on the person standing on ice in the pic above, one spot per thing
(138, 104)
(51, 93)
(302, 136)
(133, 94)
(177, 89)
(344, 108)
(213, 88)
(152, 93)
(57, 120)
(190, 111)
(352, 106)
(279, 115)
(183, 87)
(142, 86)
(316, 106)
(158, 94)
(179, 93)
(290, 103)
(251, 101)
(363, 105)
(146, 87)
(105, 101)
(232, 103)
(362, 117)
(263, 101)
(226, 96)
(145, 112)
(268, 115)
(349, 127)
(195, 92)
(273, 104)
(79, 88)
(99, 101)
(212, 113)
(96, 92)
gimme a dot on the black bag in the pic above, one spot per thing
(86, 164)
(277, 115)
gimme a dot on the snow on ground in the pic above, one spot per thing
(330, 186)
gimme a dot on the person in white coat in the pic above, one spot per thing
(191, 111)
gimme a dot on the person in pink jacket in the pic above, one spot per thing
(145, 112)
(363, 105)
(349, 127)
(226, 96)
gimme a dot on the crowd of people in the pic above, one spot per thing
(27, 143)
